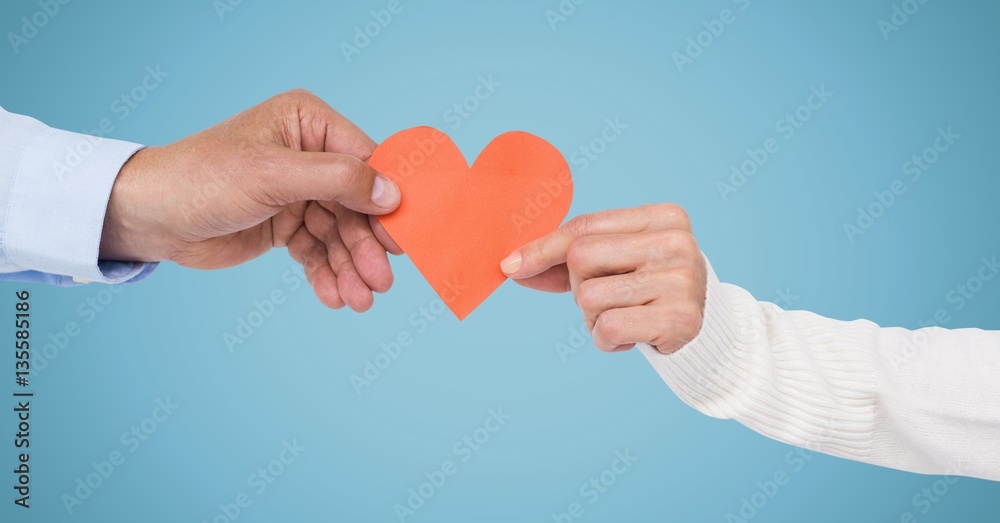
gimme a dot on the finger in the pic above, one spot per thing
(322, 224)
(341, 135)
(608, 254)
(368, 254)
(286, 223)
(666, 328)
(555, 279)
(300, 176)
(311, 253)
(604, 255)
(627, 326)
(321, 128)
(383, 236)
(597, 295)
(550, 250)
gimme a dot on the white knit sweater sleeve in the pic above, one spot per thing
(924, 401)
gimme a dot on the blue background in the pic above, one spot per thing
(290, 380)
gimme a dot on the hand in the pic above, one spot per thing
(637, 274)
(289, 172)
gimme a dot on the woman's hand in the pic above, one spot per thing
(637, 275)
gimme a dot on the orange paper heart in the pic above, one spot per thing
(457, 223)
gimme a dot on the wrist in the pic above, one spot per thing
(130, 232)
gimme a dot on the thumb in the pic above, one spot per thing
(342, 178)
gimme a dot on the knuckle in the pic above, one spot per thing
(678, 243)
(667, 345)
(531, 255)
(626, 287)
(608, 327)
(688, 318)
(314, 257)
(356, 244)
(289, 101)
(665, 340)
(678, 213)
(343, 266)
(679, 326)
(579, 225)
(674, 282)
(331, 236)
(577, 253)
(298, 94)
(673, 214)
(353, 173)
(682, 280)
(588, 295)
(346, 165)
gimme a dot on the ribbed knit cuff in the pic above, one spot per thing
(792, 376)
(695, 372)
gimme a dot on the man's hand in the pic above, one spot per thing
(637, 274)
(289, 172)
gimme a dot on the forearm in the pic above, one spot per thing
(922, 401)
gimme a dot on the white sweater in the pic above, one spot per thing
(924, 401)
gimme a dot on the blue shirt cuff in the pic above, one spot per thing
(53, 200)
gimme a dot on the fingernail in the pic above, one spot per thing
(385, 194)
(511, 264)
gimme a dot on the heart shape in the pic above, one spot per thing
(458, 223)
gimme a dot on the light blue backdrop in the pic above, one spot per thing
(780, 235)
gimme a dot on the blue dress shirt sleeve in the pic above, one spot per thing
(54, 191)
